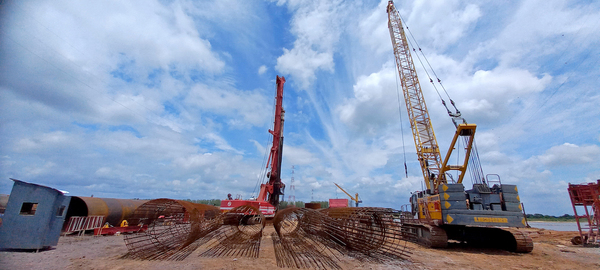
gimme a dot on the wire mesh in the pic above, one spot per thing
(240, 234)
(173, 227)
(304, 238)
(314, 239)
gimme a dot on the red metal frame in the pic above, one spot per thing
(587, 196)
(265, 208)
(115, 230)
(83, 223)
(274, 187)
(268, 197)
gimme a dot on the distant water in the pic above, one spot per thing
(557, 226)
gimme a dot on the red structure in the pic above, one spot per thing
(115, 230)
(82, 224)
(267, 209)
(268, 197)
(275, 187)
(586, 198)
(335, 203)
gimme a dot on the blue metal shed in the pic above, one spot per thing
(33, 217)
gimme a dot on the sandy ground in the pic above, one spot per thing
(553, 250)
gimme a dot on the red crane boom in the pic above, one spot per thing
(268, 197)
(275, 187)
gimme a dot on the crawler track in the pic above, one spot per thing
(510, 239)
(524, 243)
(425, 235)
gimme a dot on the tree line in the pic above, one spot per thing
(282, 205)
(540, 217)
(325, 204)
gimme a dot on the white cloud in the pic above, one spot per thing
(570, 154)
(364, 158)
(45, 168)
(297, 155)
(407, 185)
(490, 93)
(441, 23)
(259, 147)
(197, 160)
(316, 185)
(152, 147)
(302, 62)
(154, 100)
(167, 36)
(177, 124)
(106, 32)
(317, 27)
(103, 172)
(48, 142)
(125, 108)
(262, 69)
(251, 106)
(551, 27)
(374, 104)
(372, 32)
(220, 143)
(82, 55)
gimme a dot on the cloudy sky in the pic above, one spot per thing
(148, 99)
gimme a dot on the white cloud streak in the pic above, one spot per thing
(317, 27)
(159, 99)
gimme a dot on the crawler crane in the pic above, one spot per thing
(490, 213)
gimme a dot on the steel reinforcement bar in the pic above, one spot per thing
(173, 228)
(311, 238)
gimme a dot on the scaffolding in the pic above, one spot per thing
(586, 199)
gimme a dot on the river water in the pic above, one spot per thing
(557, 226)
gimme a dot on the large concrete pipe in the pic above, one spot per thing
(113, 210)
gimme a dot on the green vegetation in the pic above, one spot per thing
(283, 205)
(324, 204)
(540, 217)
(215, 202)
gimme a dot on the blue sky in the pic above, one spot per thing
(148, 99)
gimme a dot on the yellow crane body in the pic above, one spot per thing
(446, 210)
(426, 144)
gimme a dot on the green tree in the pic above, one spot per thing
(214, 202)
(324, 204)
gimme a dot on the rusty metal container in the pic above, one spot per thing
(312, 205)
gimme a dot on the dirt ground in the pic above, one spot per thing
(553, 250)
